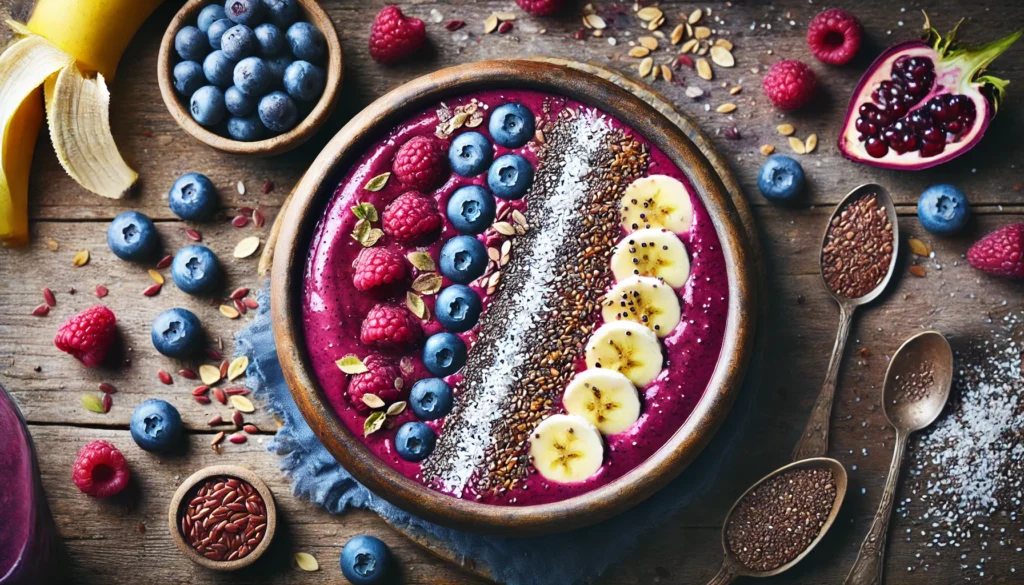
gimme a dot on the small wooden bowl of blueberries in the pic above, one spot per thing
(252, 77)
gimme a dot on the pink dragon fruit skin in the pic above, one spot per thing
(27, 539)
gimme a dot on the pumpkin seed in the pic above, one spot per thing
(649, 43)
(428, 283)
(373, 401)
(422, 261)
(373, 423)
(704, 69)
(92, 403)
(785, 129)
(726, 108)
(377, 183)
(724, 43)
(238, 367)
(242, 404)
(649, 13)
(306, 562)
(491, 24)
(645, 66)
(594, 21)
(695, 16)
(365, 211)
(81, 258)
(689, 46)
(722, 57)
(210, 375)
(797, 145)
(701, 32)
(505, 228)
(811, 143)
(396, 409)
(654, 24)
(351, 364)
(666, 73)
(416, 305)
(247, 247)
(639, 52)
(677, 34)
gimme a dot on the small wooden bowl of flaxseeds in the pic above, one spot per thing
(223, 517)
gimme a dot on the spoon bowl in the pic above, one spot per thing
(885, 201)
(918, 381)
(732, 567)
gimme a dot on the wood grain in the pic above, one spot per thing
(102, 538)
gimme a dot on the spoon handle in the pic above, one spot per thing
(814, 440)
(726, 575)
(867, 569)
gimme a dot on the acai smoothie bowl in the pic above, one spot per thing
(512, 297)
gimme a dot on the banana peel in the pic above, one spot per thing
(62, 57)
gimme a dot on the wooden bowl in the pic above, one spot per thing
(318, 184)
(177, 503)
(303, 131)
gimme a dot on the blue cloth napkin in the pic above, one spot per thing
(561, 559)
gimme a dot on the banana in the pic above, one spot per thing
(656, 201)
(566, 448)
(606, 398)
(645, 300)
(69, 46)
(626, 347)
(652, 252)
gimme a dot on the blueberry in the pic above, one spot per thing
(195, 270)
(239, 42)
(193, 197)
(281, 12)
(270, 39)
(431, 398)
(278, 112)
(443, 354)
(943, 209)
(207, 105)
(463, 259)
(471, 209)
(781, 179)
(366, 560)
(210, 15)
(219, 68)
(216, 32)
(238, 103)
(176, 333)
(470, 154)
(191, 43)
(247, 128)
(244, 11)
(306, 41)
(511, 125)
(276, 67)
(251, 76)
(156, 426)
(510, 176)
(304, 81)
(458, 308)
(414, 441)
(188, 77)
(132, 236)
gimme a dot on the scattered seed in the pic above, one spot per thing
(689, 46)
(152, 290)
(106, 402)
(704, 69)
(726, 108)
(209, 374)
(212, 354)
(504, 27)
(49, 298)
(373, 401)
(156, 276)
(645, 66)
(767, 149)
(240, 306)
(41, 311)
(193, 235)
(649, 43)
(454, 25)
(306, 562)
(242, 404)
(237, 367)
(216, 420)
(229, 312)
(735, 89)
(236, 391)
(165, 377)
(238, 438)
(202, 399)
(491, 24)
(701, 32)
(268, 186)
(52, 244)
(811, 143)
(164, 262)
(649, 14)
(247, 246)
(220, 395)
(239, 292)
(217, 438)
(81, 258)
(694, 92)
(677, 34)
(785, 129)
(101, 291)
(797, 145)
(919, 247)
(638, 52)
(92, 403)
(695, 16)
(666, 73)
(917, 270)
(251, 303)
(200, 390)
(724, 43)
(237, 419)
(107, 388)
(240, 221)
(224, 365)
(722, 57)
(251, 429)
(258, 218)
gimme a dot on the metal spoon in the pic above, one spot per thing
(732, 567)
(814, 440)
(908, 413)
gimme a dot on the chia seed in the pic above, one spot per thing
(858, 248)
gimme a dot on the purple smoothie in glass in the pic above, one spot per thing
(333, 309)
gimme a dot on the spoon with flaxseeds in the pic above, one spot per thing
(916, 388)
(858, 258)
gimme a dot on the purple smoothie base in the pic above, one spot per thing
(333, 310)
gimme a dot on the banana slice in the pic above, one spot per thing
(626, 347)
(645, 300)
(606, 398)
(657, 201)
(566, 448)
(652, 252)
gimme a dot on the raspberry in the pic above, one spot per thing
(88, 335)
(540, 7)
(394, 37)
(383, 380)
(100, 470)
(412, 218)
(421, 163)
(1001, 253)
(378, 267)
(790, 85)
(390, 327)
(834, 36)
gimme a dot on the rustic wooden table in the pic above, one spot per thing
(125, 540)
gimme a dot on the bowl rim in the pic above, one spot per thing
(302, 132)
(305, 210)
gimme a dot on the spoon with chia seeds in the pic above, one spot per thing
(781, 518)
(916, 388)
(858, 258)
